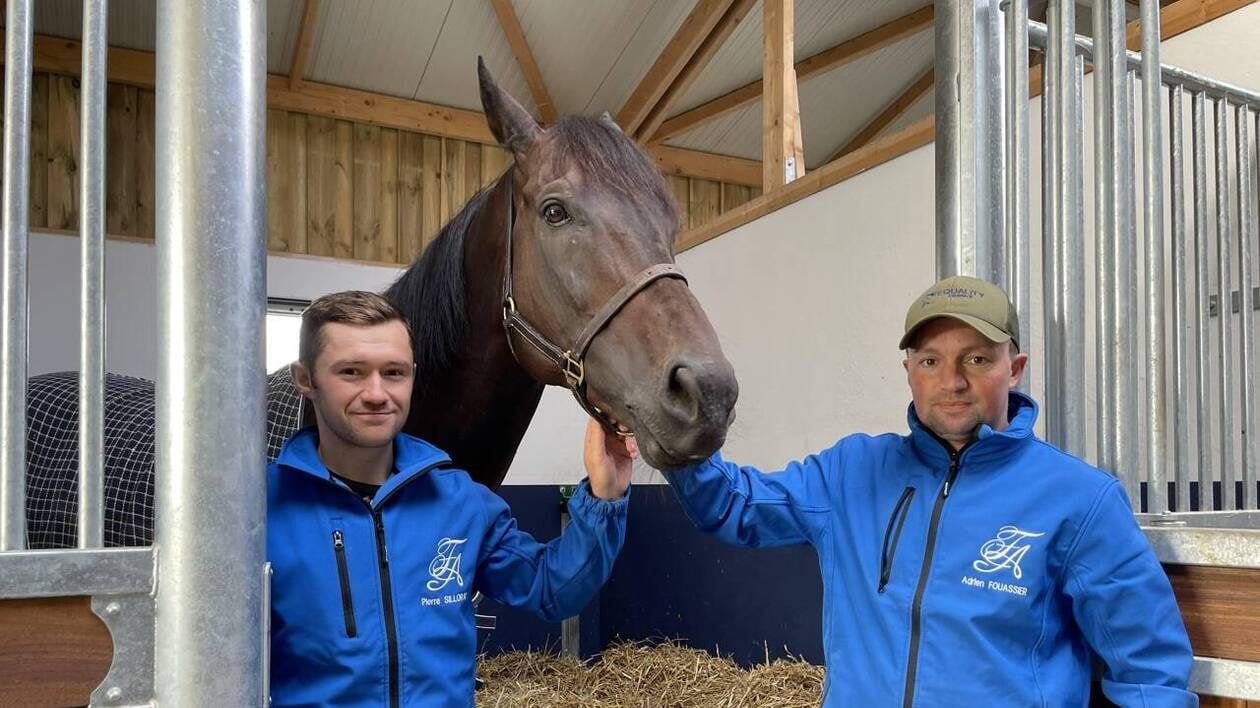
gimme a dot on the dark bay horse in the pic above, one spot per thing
(560, 273)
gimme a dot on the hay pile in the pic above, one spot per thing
(642, 675)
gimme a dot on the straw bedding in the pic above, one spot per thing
(643, 675)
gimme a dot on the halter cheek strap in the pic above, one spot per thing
(571, 361)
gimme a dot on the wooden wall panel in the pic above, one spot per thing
(286, 182)
(1221, 609)
(39, 152)
(410, 195)
(334, 188)
(431, 196)
(705, 201)
(121, 103)
(453, 176)
(146, 165)
(54, 653)
(63, 153)
(494, 161)
(367, 192)
(389, 196)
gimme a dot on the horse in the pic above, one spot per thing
(561, 272)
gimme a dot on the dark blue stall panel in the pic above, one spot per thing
(537, 512)
(673, 581)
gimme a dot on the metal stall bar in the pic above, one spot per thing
(1017, 237)
(13, 292)
(1113, 169)
(1224, 331)
(1057, 98)
(1203, 390)
(92, 277)
(211, 240)
(969, 145)
(1247, 358)
(1181, 304)
(1074, 387)
(1153, 223)
(1132, 468)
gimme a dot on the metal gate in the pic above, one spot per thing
(187, 615)
(1145, 323)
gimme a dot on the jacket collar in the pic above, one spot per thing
(987, 444)
(412, 458)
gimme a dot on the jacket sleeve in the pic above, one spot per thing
(1124, 605)
(746, 507)
(557, 579)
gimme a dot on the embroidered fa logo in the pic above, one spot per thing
(1005, 550)
(445, 565)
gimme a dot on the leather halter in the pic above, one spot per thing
(570, 361)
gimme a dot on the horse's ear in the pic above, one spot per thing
(607, 118)
(511, 124)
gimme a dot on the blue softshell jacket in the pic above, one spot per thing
(989, 577)
(371, 604)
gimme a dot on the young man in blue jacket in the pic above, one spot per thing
(968, 561)
(377, 544)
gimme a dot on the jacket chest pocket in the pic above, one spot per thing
(892, 536)
(343, 580)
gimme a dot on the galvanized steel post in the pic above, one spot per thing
(1153, 221)
(969, 145)
(1198, 133)
(1224, 330)
(1016, 238)
(211, 235)
(1181, 299)
(92, 277)
(1247, 358)
(13, 292)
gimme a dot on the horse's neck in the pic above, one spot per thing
(479, 411)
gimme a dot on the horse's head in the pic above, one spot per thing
(593, 216)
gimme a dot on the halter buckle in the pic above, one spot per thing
(509, 308)
(573, 370)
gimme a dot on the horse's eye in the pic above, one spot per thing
(554, 213)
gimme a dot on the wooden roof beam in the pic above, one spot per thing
(782, 151)
(708, 48)
(511, 25)
(302, 50)
(902, 103)
(820, 63)
(682, 47)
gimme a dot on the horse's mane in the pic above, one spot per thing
(431, 293)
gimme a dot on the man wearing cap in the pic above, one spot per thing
(967, 561)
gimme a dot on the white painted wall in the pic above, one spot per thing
(808, 301)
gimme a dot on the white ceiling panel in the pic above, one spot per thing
(450, 76)
(376, 45)
(131, 25)
(284, 21)
(593, 54)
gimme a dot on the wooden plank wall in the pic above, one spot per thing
(334, 188)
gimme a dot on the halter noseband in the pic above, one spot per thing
(571, 361)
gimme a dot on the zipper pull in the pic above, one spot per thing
(339, 542)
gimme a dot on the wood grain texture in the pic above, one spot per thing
(55, 651)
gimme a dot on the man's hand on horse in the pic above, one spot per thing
(608, 459)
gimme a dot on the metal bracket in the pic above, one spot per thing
(130, 619)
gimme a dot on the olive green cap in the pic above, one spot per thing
(976, 302)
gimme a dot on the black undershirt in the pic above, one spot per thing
(363, 489)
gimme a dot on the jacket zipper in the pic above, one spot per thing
(343, 575)
(387, 603)
(916, 609)
(893, 533)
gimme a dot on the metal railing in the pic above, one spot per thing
(1174, 410)
(200, 633)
